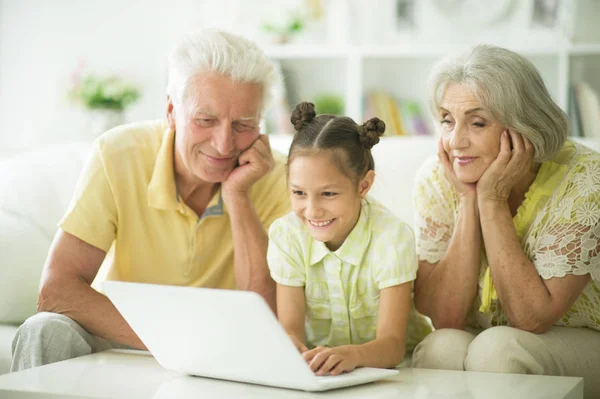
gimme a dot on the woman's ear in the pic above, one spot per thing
(366, 183)
(170, 113)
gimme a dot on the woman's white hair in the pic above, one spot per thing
(510, 87)
(220, 52)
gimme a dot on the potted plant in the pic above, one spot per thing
(106, 97)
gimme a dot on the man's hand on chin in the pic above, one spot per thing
(254, 163)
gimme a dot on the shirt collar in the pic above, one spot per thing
(354, 247)
(162, 191)
(215, 207)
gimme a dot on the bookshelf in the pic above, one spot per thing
(399, 65)
(354, 71)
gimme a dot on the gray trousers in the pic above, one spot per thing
(566, 351)
(51, 337)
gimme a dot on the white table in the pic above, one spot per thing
(130, 374)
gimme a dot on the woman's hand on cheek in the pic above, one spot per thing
(463, 189)
(507, 169)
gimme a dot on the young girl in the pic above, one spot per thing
(342, 262)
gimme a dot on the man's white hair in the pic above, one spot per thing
(511, 88)
(220, 52)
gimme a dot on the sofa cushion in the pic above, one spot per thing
(40, 183)
(24, 246)
(7, 332)
(397, 160)
(35, 190)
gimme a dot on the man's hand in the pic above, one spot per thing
(335, 361)
(508, 168)
(254, 163)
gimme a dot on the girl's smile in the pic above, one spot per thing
(323, 198)
(321, 224)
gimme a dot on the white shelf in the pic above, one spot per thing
(351, 71)
(425, 50)
(585, 49)
(398, 62)
(400, 51)
(291, 51)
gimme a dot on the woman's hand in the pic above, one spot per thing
(507, 169)
(335, 361)
(465, 190)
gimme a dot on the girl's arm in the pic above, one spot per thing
(385, 351)
(290, 311)
(388, 348)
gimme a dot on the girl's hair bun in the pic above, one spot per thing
(370, 131)
(303, 113)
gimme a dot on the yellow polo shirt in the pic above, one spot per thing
(126, 199)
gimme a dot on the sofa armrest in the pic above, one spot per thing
(24, 247)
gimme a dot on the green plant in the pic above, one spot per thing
(96, 92)
(329, 104)
(284, 24)
(294, 26)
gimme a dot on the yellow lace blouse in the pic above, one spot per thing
(558, 225)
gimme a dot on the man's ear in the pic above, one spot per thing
(366, 183)
(170, 113)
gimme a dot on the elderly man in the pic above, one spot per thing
(182, 201)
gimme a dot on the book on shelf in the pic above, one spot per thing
(277, 117)
(576, 130)
(584, 111)
(403, 117)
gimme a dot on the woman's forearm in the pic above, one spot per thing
(446, 291)
(520, 289)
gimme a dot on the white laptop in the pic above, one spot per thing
(225, 334)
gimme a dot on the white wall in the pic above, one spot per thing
(41, 45)
(43, 41)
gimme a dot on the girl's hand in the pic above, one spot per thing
(335, 361)
(298, 344)
(508, 168)
(464, 189)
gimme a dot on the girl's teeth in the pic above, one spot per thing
(320, 224)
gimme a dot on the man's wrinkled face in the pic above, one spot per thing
(217, 120)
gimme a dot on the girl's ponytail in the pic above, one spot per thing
(370, 131)
(303, 113)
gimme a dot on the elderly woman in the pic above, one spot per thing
(508, 227)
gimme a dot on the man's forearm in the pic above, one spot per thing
(250, 242)
(93, 311)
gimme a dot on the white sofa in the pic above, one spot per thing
(36, 187)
